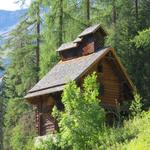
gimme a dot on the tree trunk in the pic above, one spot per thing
(60, 38)
(38, 39)
(87, 11)
(114, 13)
(136, 10)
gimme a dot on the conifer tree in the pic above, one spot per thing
(34, 17)
(1, 63)
(1, 116)
(87, 11)
(62, 24)
(49, 23)
(21, 75)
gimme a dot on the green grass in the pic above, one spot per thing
(133, 135)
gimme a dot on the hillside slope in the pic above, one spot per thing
(8, 19)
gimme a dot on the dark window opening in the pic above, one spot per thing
(101, 90)
(70, 53)
(100, 68)
(127, 92)
(59, 105)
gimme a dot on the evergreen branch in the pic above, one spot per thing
(71, 17)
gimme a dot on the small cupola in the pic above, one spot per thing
(89, 41)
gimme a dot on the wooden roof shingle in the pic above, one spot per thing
(77, 40)
(45, 91)
(74, 44)
(66, 46)
(64, 72)
(91, 29)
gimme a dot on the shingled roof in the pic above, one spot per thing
(74, 44)
(66, 46)
(64, 72)
(77, 40)
(72, 69)
(91, 29)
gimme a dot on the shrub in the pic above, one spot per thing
(83, 117)
(136, 106)
(48, 142)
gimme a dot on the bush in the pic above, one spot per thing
(83, 117)
(82, 124)
(48, 142)
(136, 106)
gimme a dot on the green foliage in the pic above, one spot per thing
(121, 33)
(136, 106)
(83, 118)
(141, 71)
(140, 133)
(19, 125)
(21, 75)
(82, 123)
(133, 134)
(48, 142)
(143, 39)
(1, 63)
(18, 139)
(62, 21)
(1, 119)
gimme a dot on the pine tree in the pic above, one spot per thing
(46, 25)
(34, 17)
(1, 63)
(21, 75)
(17, 81)
(62, 24)
(136, 10)
(141, 69)
(1, 116)
(87, 11)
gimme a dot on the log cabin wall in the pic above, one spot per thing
(115, 87)
(111, 89)
(99, 40)
(87, 45)
(45, 123)
(38, 117)
(93, 42)
(112, 93)
(111, 84)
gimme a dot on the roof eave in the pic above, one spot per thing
(98, 27)
(61, 48)
(44, 92)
